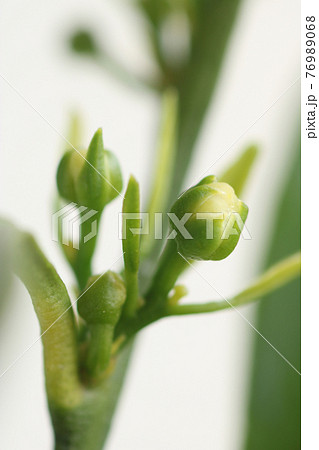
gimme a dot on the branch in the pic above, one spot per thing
(272, 279)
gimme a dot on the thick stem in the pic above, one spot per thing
(86, 426)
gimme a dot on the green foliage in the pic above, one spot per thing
(86, 359)
(113, 310)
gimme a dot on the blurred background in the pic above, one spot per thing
(191, 380)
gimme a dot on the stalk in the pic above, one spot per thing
(86, 426)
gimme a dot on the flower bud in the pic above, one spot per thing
(100, 306)
(103, 299)
(216, 218)
(82, 41)
(91, 179)
(67, 174)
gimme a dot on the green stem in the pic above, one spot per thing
(170, 267)
(122, 74)
(157, 306)
(163, 176)
(99, 349)
(131, 302)
(81, 416)
(272, 279)
(86, 426)
(82, 264)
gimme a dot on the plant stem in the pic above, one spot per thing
(170, 267)
(86, 426)
(158, 307)
(163, 176)
(99, 350)
(83, 257)
(278, 275)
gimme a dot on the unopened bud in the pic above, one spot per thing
(216, 218)
(91, 179)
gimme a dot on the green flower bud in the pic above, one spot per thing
(100, 306)
(82, 41)
(103, 299)
(91, 179)
(212, 228)
(67, 174)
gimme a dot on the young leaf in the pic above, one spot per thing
(237, 174)
(131, 244)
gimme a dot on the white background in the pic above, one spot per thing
(187, 385)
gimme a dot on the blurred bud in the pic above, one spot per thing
(102, 301)
(67, 174)
(208, 219)
(82, 41)
(93, 179)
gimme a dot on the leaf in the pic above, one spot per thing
(237, 174)
(274, 408)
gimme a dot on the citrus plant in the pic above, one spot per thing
(88, 338)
